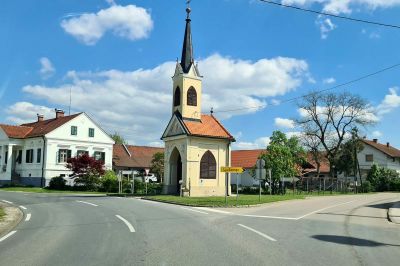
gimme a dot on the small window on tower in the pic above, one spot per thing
(177, 97)
(192, 97)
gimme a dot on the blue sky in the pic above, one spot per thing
(117, 58)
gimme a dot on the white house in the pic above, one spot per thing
(33, 153)
(383, 155)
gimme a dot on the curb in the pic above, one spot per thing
(7, 226)
(394, 213)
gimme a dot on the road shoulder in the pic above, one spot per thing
(394, 213)
(12, 218)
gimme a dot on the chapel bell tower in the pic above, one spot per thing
(187, 80)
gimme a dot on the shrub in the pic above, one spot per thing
(366, 186)
(58, 183)
(109, 182)
(394, 184)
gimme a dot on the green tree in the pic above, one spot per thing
(373, 176)
(283, 157)
(347, 161)
(109, 182)
(157, 165)
(118, 138)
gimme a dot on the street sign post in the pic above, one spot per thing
(260, 174)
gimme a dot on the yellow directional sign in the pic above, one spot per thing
(232, 169)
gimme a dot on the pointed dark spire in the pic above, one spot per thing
(187, 50)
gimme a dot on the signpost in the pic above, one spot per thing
(260, 174)
(119, 176)
(270, 181)
(236, 170)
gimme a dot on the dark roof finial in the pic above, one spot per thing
(187, 50)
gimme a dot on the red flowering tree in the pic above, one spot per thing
(87, 170)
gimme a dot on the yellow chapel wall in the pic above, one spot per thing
(185, 82)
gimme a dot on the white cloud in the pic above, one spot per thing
(389, 103)
(260, 143)
(345, 6)
(24, 112)
(130, 22)
(377, 134)
(284, 123)
(329, 80)
(325, 26)
(137, 104)
(47, 69)
(111, 2)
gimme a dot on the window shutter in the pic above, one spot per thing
(58, 155)
(103, 157)
(69, 154)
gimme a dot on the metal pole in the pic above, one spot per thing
(146, 187)
(323, 192)
(307, 187)
(270, 181)
(237, 189)
(226, 189)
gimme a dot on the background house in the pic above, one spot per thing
(128, 157)
(33, 153)
(383, 155)
(246, 159)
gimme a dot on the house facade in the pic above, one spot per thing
(33, 153)
(196, 145)
(383, 155)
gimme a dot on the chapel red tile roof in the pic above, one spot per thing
(385, 148)
(36, 129)
(140, 156)
(245, 158)
(209, 126)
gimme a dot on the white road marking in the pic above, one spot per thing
(22, 207)
(127, 223)
(28, 217)
(266, 216)
(212, 210)
(193, 210)
(7, 235)
(6, 201)
(311, 213)
(257, 232)
(88, 203)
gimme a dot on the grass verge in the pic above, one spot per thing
(43, 190)
(2, 213)
(243, 200)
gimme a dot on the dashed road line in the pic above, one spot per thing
(22, 207)
(267, 216)
(257, 232)
(311, 213)
(131, 229)
(28, 217)
(7, 236)
(6, 201)
(194, 210)
(88, 203)
(212, 210)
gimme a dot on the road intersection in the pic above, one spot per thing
(60, 229)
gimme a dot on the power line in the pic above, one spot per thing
(320, 91)
(331, 15)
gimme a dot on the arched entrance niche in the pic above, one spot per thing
(175, 166)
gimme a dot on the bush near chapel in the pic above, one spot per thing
(58, 183)
(87, 170)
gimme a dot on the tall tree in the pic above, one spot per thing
(330, 118)
(283, 156)
(118, 138)
(157, 165)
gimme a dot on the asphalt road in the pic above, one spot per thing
(87, 230)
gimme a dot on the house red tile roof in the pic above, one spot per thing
(46, 126)
(209, 126)
(138, 156)
(385, 148)
(245, 158)
(36, 129)
(16, 132)
(324, 163)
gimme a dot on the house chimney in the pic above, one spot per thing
(388, 144)
(59, 113)
(40, 118)
(375, 140)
